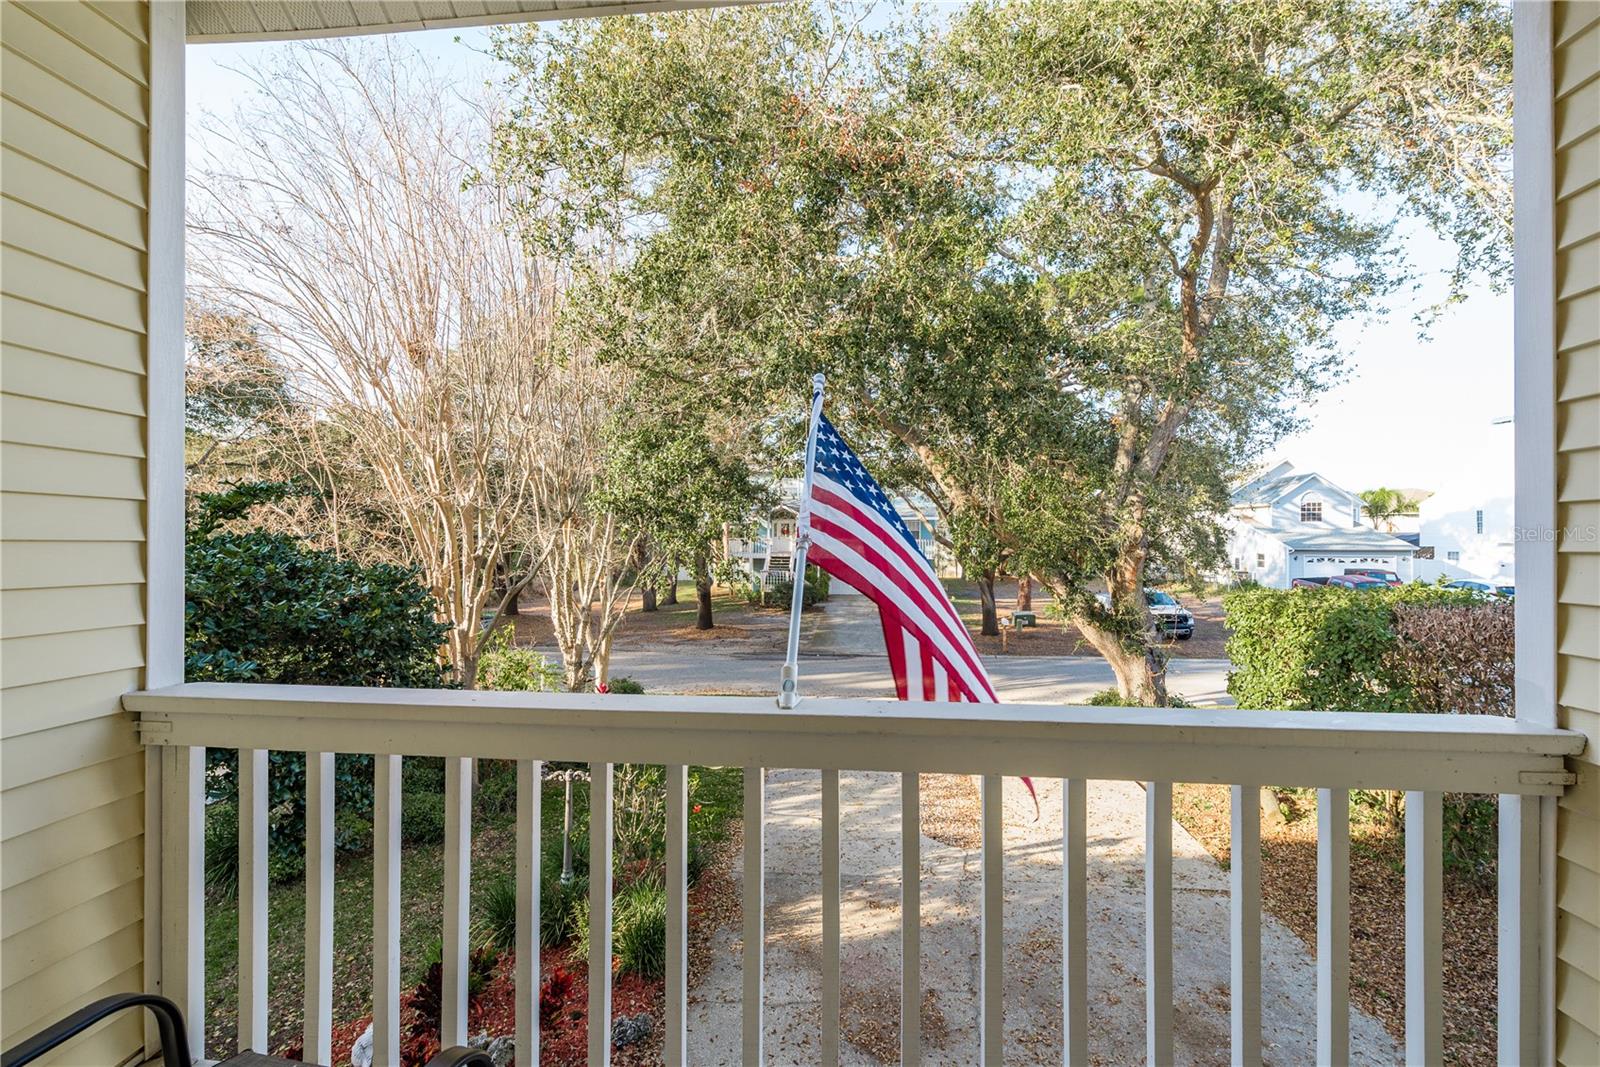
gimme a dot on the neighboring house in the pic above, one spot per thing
(1467, 538)
(1288, 523)
(769, 544)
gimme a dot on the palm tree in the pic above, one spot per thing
(1383, 506)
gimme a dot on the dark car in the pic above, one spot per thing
(1384, 576)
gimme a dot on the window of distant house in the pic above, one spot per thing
(1453, 557)
(1480, 520)
(1261, 560)
(1311, 511)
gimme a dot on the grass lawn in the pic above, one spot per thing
(717, 791)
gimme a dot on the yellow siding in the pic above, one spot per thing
(74, 150)
(1577, 319)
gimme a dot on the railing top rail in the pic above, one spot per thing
(1354, 749)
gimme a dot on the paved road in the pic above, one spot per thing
(1019, 679)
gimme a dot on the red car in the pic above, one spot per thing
(1386, 577)
(1340, 581)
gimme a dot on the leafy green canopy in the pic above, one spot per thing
(1069, 266)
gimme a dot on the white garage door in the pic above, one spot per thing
(1317, 565)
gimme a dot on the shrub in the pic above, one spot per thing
(505, 667)
(640, 931)
(1410, 648)
(625, 685)
(422, 774)
(496, 795)
(222, 847)
(780, 594)
(261, 606)
(638, 928)
(563, 907)
(1321, 649)
(1457, 657)
(496, 926)
(422, 818)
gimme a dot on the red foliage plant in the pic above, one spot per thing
(555, 993)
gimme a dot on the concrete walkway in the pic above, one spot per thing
(950, 914)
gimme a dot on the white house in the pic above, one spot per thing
(1288, 523)
(1467, 537)
(769, 545)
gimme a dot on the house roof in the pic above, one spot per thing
(274, 20)
(1318, 537)
(1280, 482)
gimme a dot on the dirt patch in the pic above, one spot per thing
(1377, 915)
(952, 809)
(1055, 638)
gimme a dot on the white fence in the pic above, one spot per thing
(1425, 755)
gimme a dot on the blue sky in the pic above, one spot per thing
(1413, 411)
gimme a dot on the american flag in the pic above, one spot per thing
(857, 537)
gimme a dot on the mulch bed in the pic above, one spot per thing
(564, 1001)
(1377, 916)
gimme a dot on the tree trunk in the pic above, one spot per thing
(991, 619)
(702, 592)
(1141, 675)
(1025, 593)
(648, 596)
(669, 595)
(514, 605)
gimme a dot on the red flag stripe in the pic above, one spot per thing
(863, 582)
(826, 493)
(956, 643)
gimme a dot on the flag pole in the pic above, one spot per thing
(788, 688)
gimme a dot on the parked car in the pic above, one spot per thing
(1168, 617)
(1487, 590)
(1384, 576)
(1340, 581)
(1357, 581)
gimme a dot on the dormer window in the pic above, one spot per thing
(1310, 511)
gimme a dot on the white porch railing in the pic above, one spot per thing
(1425, 755)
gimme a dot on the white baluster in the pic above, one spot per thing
(676, 1044)
(600, 842)
(529, 848)
(1424, 930)
(183, 909)
(910, 919)
(386, 783)
(1244, 925)
(1521, 977)
(253, 900)
(1333, 927)
(1074, 923)
(1158, 922)
(755, 803)
(317, 1033)
(830, 918)
(992, 950)
(457, 900)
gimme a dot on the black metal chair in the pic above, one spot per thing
(175, 1037)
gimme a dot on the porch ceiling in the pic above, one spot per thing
(267, 20)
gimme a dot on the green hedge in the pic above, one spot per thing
(1322, 649)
